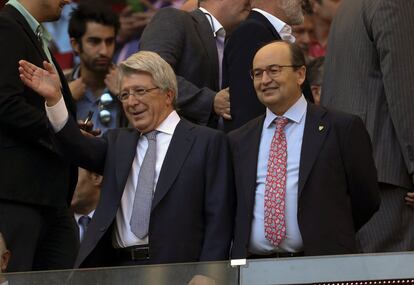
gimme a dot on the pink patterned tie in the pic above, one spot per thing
(275, 190)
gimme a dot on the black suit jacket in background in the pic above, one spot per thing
(239, 52)
(185, 40)
(193, 207)
(32, 168)
(338, 190)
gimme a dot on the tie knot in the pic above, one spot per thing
(281, 122)
(39, 32)
(221, 33)
(151, 136)
(84, 221)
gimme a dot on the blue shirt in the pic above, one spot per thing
(294, 135)
(91, 103)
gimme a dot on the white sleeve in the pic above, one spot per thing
(57, 114)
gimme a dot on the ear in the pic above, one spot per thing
(170, 97)
(75, 46)
(301, 75)
(96, 179)
(5, 257)
(314, 4)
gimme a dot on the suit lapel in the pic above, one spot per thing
(126, 147)
(22, 21)
(248, 152)
(316, 130)
(178, 150)
(206, 35)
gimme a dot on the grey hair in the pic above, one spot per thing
(149, 62)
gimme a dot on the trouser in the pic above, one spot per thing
(39, 237)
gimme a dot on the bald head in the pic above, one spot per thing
(278, 73)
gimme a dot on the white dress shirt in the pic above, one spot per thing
(123, 236)
(294, 135)
(283, 29)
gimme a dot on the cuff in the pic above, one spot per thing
(57, 114)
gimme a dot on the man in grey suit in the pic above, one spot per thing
(193, 43)
(369, 72)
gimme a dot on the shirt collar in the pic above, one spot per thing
(33, 23)
(169, 124)
(281, 27)
(295, 113)
(215, 24)
(77, 216)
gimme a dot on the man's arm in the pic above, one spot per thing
(361, 173)
(393, 37)
(219, 201)
(87, 152)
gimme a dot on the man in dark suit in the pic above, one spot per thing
(306, 185)
(368, 72)
(180, 208)
(36, 182)
(268, 21)
(193, 43)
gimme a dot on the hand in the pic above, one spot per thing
(222, 104)
(133, 23)
(87, 129)
(45, 81)
(77, 88)
(202, 280)
(409, 199)
(111, 80)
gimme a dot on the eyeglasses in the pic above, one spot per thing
(104, 101)
(136, 92)
(272, 71)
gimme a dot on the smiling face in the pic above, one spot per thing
(148, 111)
(278, 93)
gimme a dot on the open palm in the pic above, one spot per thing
(45, 82)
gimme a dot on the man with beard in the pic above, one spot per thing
(268, 21)
(92, 31)
(36, 181)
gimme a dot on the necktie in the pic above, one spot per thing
(275, 189)
(84, 223)
(39, 35)
(220, 38)
(144, 192)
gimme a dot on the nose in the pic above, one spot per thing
(132, 100)
(266, 79)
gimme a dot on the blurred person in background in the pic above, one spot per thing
(368, 72)
(193, 44)
(314, 73)
(323, 12)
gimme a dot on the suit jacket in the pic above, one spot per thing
(239, 52)
(193, 205)
(32, 168)
(185, 40)
(337, 188)
(368, 72)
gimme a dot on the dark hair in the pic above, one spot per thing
(296, 54)
(91, 11)
(314, 71)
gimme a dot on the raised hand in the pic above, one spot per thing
(45, 81)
